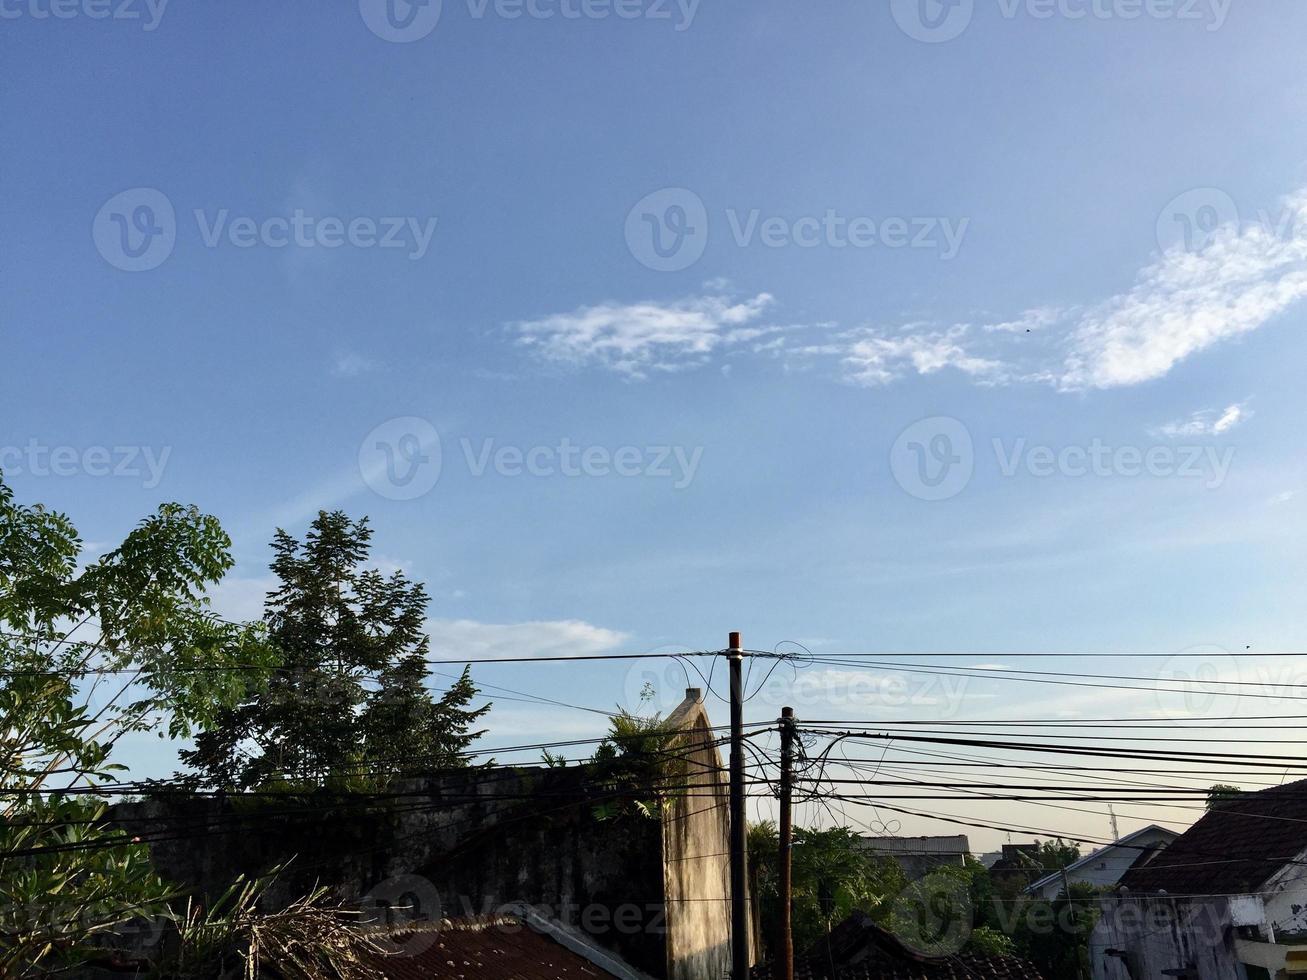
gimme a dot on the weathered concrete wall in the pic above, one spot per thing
(696, 861)
(1159, 935)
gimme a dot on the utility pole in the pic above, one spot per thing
(785, 948)
(739, 830)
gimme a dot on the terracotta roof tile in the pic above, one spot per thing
(502, 949)
(1234, 848)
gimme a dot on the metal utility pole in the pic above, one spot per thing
(785, 947)
(739, 830)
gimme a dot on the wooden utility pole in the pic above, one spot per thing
(739, 830)
(785, 946)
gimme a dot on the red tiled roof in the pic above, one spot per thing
(1234, 848)
(503, 949)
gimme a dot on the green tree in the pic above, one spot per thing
(1054, 855)
(91, 651)
(1222, 793)
(348, 699)
(833, 874)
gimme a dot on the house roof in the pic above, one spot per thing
(1235, 848)
(930, 846)
(1127, 841)
(858, 949)
(504, 947)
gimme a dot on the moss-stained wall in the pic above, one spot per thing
(696, 863)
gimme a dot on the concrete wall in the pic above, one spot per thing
(452, 847)
(1160, 935)
(696, 863)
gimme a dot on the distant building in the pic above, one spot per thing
(1227, 900)
(1106, 866)
(918, 856)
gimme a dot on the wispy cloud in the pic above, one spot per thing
(1029, 321)
(1185, 302)
(635, 339)
(455, 638)
(348, 364)
(1209, 422)
(1182, 303)
(877, 359)
(1283, 497)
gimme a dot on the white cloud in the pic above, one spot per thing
(347, 364)
(456, 638)
(1283, 497)
(1186, 302)
(1182, 303)
(636, 338)
(1209, 422)
(878, 359)
(1029, 321)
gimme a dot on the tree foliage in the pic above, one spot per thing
(832, 874)
(1222, 793)
(348, 699)
(90, 651)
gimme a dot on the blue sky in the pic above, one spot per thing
(876, 255)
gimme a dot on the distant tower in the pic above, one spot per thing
(1116, 834)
